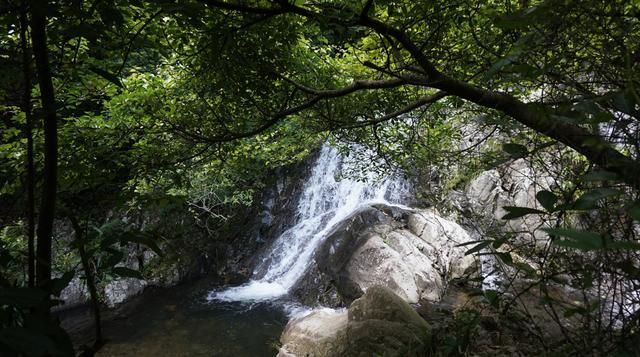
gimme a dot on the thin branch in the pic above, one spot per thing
(130, 45)
(408, 108)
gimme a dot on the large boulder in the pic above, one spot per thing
(412, 252)
(441, 241)
(380, 323)
(315, 334)
(515, 183)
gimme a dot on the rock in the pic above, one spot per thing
(441, 239)
(483, 191)
(394, 261)
(118, 291)
(315, 334)
(411, 252)
(328, 281)
(514, 184)
(74, 294)
(379, 323)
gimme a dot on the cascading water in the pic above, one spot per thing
(325, 202)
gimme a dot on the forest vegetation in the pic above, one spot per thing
(160, 105)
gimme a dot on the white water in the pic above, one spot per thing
(325, 202)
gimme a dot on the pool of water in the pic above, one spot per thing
(181, 322)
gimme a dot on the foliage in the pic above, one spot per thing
(196, 103)
(579, 266)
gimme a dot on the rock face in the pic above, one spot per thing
(514, 184)
(413, 253)
(380, 323)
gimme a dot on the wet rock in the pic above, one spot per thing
(413, 253)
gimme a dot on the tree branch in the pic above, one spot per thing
(404, 110)
(535, 116)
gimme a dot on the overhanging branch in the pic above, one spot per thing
(537, 117)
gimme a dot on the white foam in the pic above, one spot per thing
(325, 202)
(254, 291)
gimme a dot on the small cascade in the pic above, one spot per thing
(325, 201)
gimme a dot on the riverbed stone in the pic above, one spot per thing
(380, 323)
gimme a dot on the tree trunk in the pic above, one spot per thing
(28, 133)
(91, 282)
(48, 204)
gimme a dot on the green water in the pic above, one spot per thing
(181, 322)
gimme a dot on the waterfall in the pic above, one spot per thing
(325, 201)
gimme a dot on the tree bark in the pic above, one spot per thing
(47, 97)
(91, 282)
(28, 133)
(535, 116)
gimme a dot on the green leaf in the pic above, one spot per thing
(634, 211)
(509, 59)
(599, 176)
(547, 199)
(114, 257)
(499, 242)
(478, 247)
(106, 75)
(589, 200)
(601, 117)
(515, 150)
(492, 297)
(629, 268)
(143, 239)
(505, 257)
(582, 240)
(587, 106)
(624, 245)
(572, 311)
(517, 212)
(127, 273)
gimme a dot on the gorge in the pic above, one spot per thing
(319, 178)
(347, 236)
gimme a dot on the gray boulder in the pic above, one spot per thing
(380, 323)
(411, 252)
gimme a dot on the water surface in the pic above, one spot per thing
(181, 322)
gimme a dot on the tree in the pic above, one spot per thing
(496, 73)
(200, 96)
(47, 208)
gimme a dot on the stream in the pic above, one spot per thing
(202, 319)
(181, 322)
